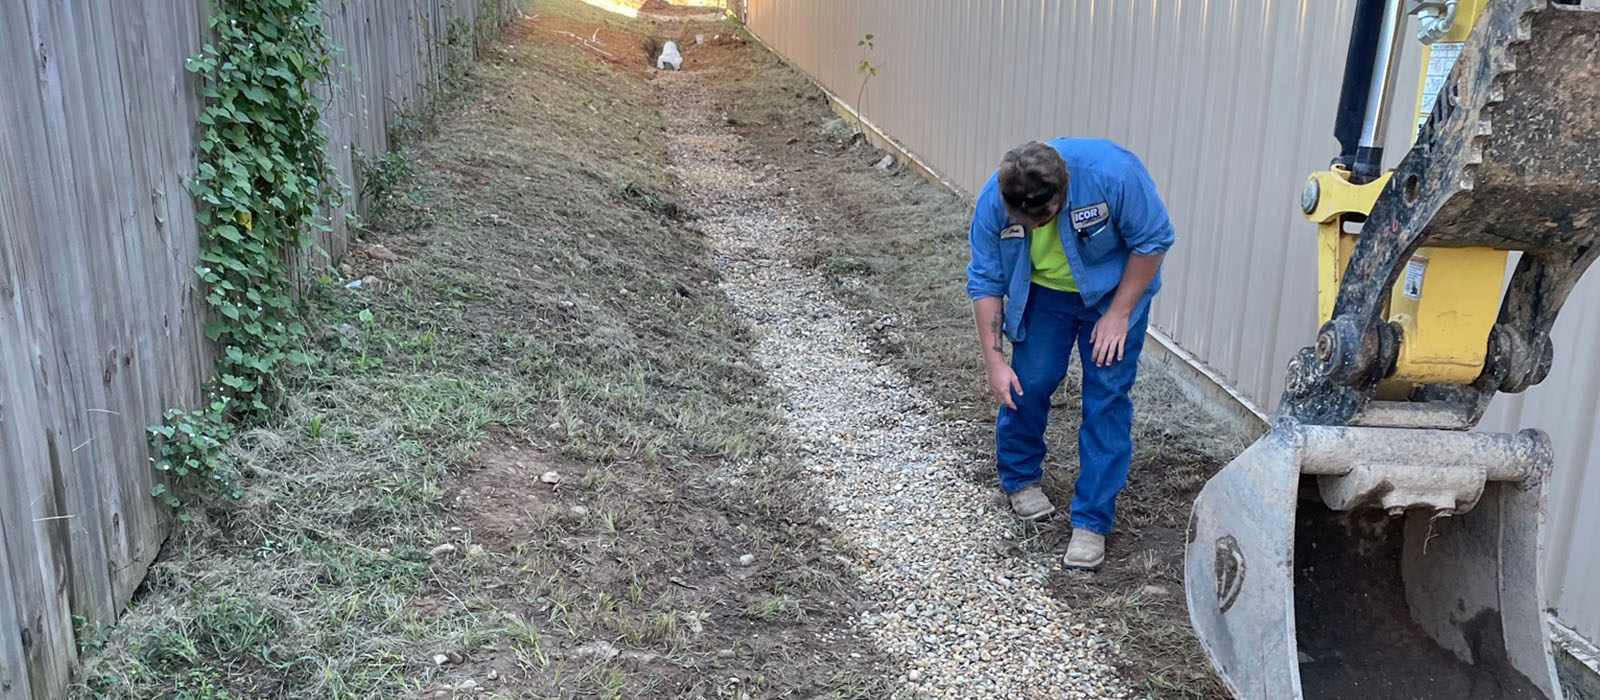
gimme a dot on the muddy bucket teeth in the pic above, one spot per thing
(1341, 562)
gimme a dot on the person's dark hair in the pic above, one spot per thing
(1030, 177)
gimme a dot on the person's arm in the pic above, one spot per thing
(986, 286)
(1146, 229)
(990, 312)
(1110, 333)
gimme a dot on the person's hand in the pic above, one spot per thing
(1109, 336)
(1002, 381)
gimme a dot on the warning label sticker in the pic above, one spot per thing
(1411, 286)
(1441, 57)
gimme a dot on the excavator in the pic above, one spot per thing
(1372, 544)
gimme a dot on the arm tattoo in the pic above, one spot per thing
(996, 328)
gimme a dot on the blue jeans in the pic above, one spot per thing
(1056, 320)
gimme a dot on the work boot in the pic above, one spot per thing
(1086, 551)
(1030, 503)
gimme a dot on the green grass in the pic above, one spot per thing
(552, 312)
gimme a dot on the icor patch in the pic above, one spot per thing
(1089, 216)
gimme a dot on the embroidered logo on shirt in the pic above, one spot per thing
(1013, 231)
(1089, 216)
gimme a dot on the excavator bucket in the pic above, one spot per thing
(1371, 545)
(1332, 562)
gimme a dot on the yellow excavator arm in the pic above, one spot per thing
(1370, 544)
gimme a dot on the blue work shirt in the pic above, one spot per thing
(1112, 211)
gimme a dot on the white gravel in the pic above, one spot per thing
(966, 619)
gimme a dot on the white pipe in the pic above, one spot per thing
(1433, 24)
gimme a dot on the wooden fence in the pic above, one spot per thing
(100, 313)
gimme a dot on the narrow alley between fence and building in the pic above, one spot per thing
(651, 383)
(943, 595)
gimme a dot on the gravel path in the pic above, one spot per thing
(967, 619)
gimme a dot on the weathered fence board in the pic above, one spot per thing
(100, 313)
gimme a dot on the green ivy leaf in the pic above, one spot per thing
(261, 152)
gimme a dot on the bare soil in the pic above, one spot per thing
(533, 308)
(895, 246)
(1356, 630)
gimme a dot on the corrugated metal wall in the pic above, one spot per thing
(1230, 103)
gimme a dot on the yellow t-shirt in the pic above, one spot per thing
(1050, 268)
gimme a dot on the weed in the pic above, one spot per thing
(771, 607)
(840, 264)
(90, 635)
(866, 69)
(381, 176)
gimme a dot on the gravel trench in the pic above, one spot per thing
(966, 618)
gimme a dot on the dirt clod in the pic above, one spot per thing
(599, 649)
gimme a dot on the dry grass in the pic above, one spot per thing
(896, 246)
(551, 312)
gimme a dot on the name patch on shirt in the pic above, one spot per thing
(1089, 216)
(1013, 231)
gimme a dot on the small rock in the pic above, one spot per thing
(369, 280)
(551, 477)
(1155, 590)
(468, 685)
(440, 659)
(837, 129)
(475, 551)
(580, 510)
(493, 675)
(455, 657)
(441, 550)
(885, 163)
(915, 676)
(747, 560)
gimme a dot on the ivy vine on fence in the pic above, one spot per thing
(262, 184)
